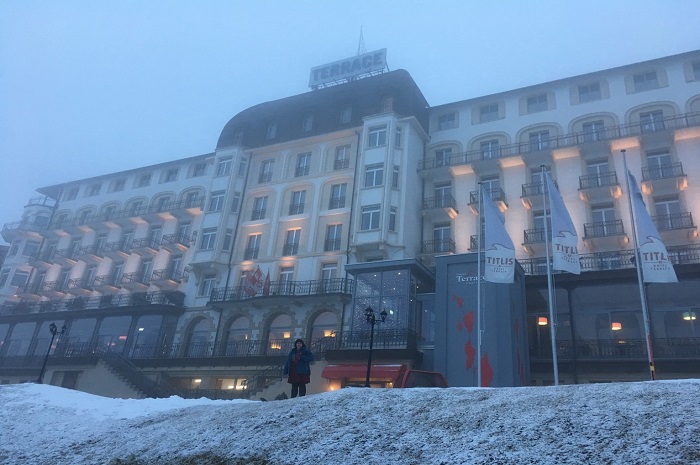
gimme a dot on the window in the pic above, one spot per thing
(14, 248)
(266, 171)
(252, 249)
(145, 270)
(235, 202)
(370, 218)
(645, 81)
(488, 113)
(303, 164)
(183, 232)
(223, 168)
(207, 286)
(163, 204)
(443, 157)
(537, 103)
(144, 180)
(216, 202)
(84, 216)
(443, 195)
(386, 105)
(346, 114)
(119, 185)
(377, 136)
(539, 140)
(4, 274)
(31, 248)
(492, 186)
(333, 237)
(374, 175)
(395, 177)
(307, 122)
(259, 208)
(342, 158)
(598, 173)
(589, 92)
(329, 271)
(338, 192)
(442, 237)
(117, 272)
(228, 238)
(208, 239)
(135, 208)
(237, 137)
(668, 214)
(191, 199)
(593, 131)
(271, 132)
(696, 71)
(489, 149)
(286, 282)
(242, 165)
(659, 165)
(291, 242)
(397, 138)
(100, 242)
(296, 206)
(93, 190)
(20, 278)
(171, 175)
(651, 121)
(447, 121)
(392, 219)
(72, 194)
(199, 169)
(604, 220)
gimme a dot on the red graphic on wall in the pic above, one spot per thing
(469, 350)
(469, 321)
(486, 371)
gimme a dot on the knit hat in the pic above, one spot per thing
(298, 340)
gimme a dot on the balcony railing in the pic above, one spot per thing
(258, 214)
(495, 194)
(290, 249)
(438, 246)
(671, 170)
(286, 288)
(681, 121)
(135, 277)
(673, 221)
(172, 298)
(442, 201)
(341, 164)
(176, 239)
(533, 236)
(336, 202)
(620, 348)
(296, 209)
(251, 253)
(591, 181)
(603, 229)
(168, 274)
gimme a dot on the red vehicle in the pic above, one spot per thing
(420, 379)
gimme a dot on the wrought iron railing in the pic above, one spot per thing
(673, 221)
(619, 349)
(442, 201)
(174, 298)
(533, 236)
(670, 170)
(495, 194)
(684, 120)
(438, 246)
(603, 229)
(286, 288)
(591, 181)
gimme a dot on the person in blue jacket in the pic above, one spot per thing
(298, 369)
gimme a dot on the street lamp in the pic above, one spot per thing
(54, 331)
(372, 320)
(135, 350)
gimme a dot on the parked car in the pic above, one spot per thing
(420, 379)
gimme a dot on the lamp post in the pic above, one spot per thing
(372, 320)
(54, 331)
(135, 350)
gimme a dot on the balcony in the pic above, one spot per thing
(78, 286)
(442, 247)
(43, 259)
(90, 254)
(497, 196)
(53, 289)
(435, 207)
(119, 249)
(664, 179)
(135, 282)
(321, 288)
(599, 187)
(107, 283)
(532, 196)
(474, 242)
(66, 257)
(173, 242)
(676, 226)
(19, 229)
(670, 123)
(605, 234)
(534, 241)
(145, 245)
(167, 278)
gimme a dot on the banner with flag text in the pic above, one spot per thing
(656, 265)
(499, 252)
(564, 238)
(253, 283)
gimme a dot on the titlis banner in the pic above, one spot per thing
(564, 238)
(499, 252)
(343, 69)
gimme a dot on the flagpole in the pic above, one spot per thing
(553, 325)
(478, 291)
(640, 277)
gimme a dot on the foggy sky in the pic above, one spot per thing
(94, 87)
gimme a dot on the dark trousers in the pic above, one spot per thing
(298, 389)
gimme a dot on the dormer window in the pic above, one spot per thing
(307, 122)
(346, 114)
(271, 131)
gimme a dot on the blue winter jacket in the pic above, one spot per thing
(306, 358)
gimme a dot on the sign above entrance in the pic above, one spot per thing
(348, 69)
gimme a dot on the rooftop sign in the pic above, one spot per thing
(344, 70)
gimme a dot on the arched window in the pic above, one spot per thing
(238, 336)
(198, 340)
(324, 325)
(280, 335)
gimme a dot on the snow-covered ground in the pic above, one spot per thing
(631, 423)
